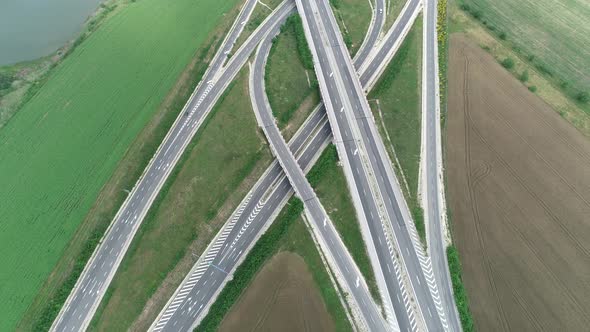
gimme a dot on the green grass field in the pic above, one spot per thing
(556, 34)
(59, 150)
(286, 81)
(398, 115)
(191, 208)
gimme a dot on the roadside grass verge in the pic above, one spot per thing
(196, 200)
(329, 183)
(353, 17)
(459, 290)
(547, 70)
(288, 232)
(54, 291)
(396, 104)
(290, 80)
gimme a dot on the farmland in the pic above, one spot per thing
(519, 194)
(545, 73)
(59, 150)
(555, 34)
(283, 296)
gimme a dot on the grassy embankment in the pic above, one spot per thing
(396, 104)
(290, 81)
(353, 17)
(215, 173)
(288, 232)
(21, 81)
(543, 44)
(459, 291)
(82, 99)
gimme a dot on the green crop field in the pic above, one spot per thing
(555, 33)
(59, 150)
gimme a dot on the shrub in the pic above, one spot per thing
(6, 80)
(583, 97)
(294, 23)
(524, 76)
(502, 35)
(532, 88)
(508, 63)
(459, 290)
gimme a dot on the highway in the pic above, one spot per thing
(262, 203)
(383, 208)
(341, 263)
(84, 299)
(432, 184)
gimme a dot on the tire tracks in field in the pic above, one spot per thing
(472, 197)
(540, 156)
(512, 172)
(538, 256)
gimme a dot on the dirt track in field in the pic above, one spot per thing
(519, 193)
(282, 297)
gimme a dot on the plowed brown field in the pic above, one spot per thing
(282, 297)
(519, 193)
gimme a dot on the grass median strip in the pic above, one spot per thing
(396, 104)
(287, 233)
(190, 209)
(290, 81)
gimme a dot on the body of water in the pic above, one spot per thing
(30, 29)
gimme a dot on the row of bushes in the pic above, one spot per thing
(452, 254)
(459, 290)
(264, 249)
(443, 39)
(294, 24)
(575, 93)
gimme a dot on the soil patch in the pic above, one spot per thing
(519, 185)
(282, 297)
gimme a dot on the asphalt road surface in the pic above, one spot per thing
(99, 271)
(361, 148)
(433, 170)
(332, 246)
(255, 213)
